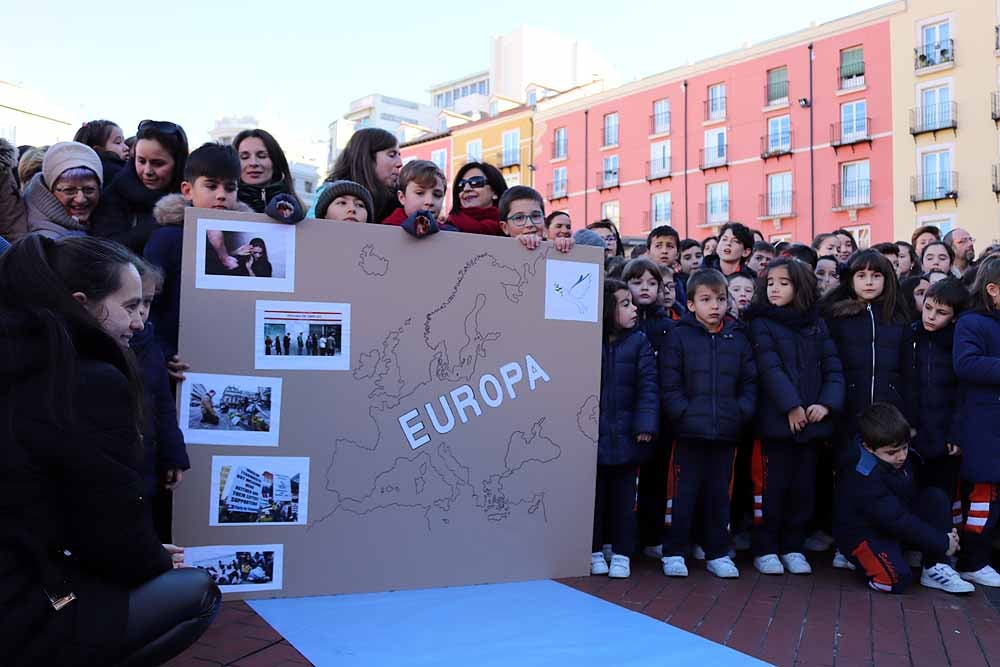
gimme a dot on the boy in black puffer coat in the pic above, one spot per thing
(708, 387)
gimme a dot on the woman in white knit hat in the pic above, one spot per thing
(61, 200)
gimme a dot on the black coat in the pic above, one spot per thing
(111, 164)
(797, 365)
(708, 381)
(257, 197)
(656, 323)
(125, 213)
(936, 393)
(874, 501)
(629, 401)
(977, 365)
(72, 511)
(876, 356)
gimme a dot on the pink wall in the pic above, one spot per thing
(424, 150)
(746, 124)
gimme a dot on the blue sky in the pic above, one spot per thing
(193, 62)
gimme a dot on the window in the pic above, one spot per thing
(309, 186)
(935, 108)
(532, 98)
(447, 99)
(559, 182)
(659, 159)
(945, 224)
(777, 86)
(660, 209)
(854, 121)
(935, 176)
(511, 148)
(438, 100)
(852, 68)
(483, 88)
(661, 116)
(494, 108)
(610, 177)
(611, 129)
(474, 151)
(863, 235)
(513, 178)
(715, 147)
(855, 185)
(935, 46)
(779, 194)
(443, 125)
(717, 200)
(440, 158)
(717, 101)
(559, 143)
(610, 210)
(779, 134)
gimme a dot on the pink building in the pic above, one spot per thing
(434, 147)
(729, 139)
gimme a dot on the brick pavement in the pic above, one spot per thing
(825, 619)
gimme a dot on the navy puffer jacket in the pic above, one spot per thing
(797, 366)
(630, 404)
(708, 381)
(656, 323)
(876, 356)
(936, 391)
(977, 366)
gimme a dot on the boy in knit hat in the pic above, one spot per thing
(345, 201)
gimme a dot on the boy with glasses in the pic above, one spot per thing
(522, 217)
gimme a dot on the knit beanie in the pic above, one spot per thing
(70, 155)
(589, 237)
(338, 188)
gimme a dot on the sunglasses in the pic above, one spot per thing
(164, 126)
(475, 182)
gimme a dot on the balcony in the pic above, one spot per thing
(715, 213)
(934, 54)
(775, 145)
(852, 195)
(776, 205)
(558, 190)
(659, 123)
(657, 169)
(507, 158)
(851, 133)
(851, 76)
(715, 108)
(776, 93)
(607, 179)
(713, 158)
(933, 118)
(995, 107)
(934, 187)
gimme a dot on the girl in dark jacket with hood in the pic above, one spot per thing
(630, 419)
(83, 577)
(802, 388)
(155, 169)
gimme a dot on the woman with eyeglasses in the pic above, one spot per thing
(154, 170)
(61, 199)
(372, 159)
(475, 194)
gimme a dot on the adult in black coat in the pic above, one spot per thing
(83, 578)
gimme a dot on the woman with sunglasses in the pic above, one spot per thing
(478, 187)
(372, 159)
(155, 169)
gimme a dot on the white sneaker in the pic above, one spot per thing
(741, 541)
(697, 552)
(914, 558)
(673, 566)
(841, 563)
(984, 577)
(796, 563)
(619, 567)
(768, 564)
(607, 551)
(724, 568)
(942, 577)
(597, 563)
(653, 552)
(816, 542)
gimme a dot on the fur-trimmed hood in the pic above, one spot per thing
(8, 155)
(849, 308)
(169, 210)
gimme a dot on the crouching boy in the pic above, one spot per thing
(880, 510)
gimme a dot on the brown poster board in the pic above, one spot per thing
(427, 425)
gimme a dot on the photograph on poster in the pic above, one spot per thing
(259, 490)
(302, 335)
(230, 410)
(245, 256)
(241, 568)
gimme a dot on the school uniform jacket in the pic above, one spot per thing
(976, 356)
(630, 403)
(936, 393)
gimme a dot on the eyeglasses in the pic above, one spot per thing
(72, 192)
(521, 219)
(475, 182)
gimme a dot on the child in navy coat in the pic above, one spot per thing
(801, 391)
(629, 422)
(977, 365)
(708, 385)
